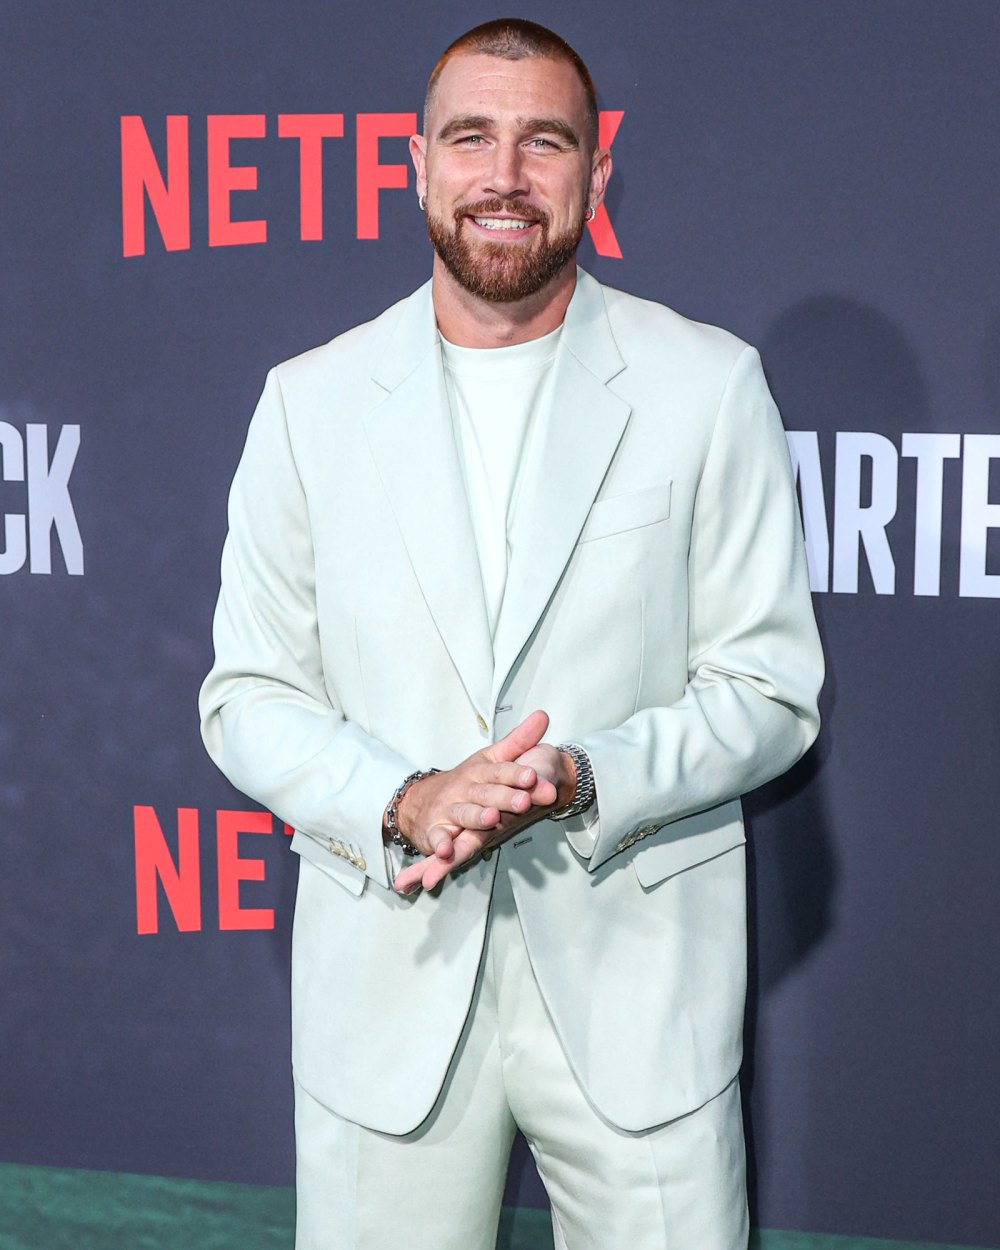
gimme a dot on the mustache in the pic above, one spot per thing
(495, 207)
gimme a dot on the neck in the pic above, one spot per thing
(468, 321)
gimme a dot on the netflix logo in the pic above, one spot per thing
(164, 182)
(168, 869)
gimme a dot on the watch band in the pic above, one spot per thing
(585, 789)
(391, 812)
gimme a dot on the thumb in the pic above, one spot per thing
(520, 739)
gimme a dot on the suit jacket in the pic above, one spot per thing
(657, 607)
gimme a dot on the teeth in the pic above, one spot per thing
(501, 223)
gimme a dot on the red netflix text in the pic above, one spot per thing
(165, 184)
(168, 859)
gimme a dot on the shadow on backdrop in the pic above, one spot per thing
(832, 363)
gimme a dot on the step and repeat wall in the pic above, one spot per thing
(194, 191)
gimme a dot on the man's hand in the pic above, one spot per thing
(476, 793)
(555, 766)
(554, 774)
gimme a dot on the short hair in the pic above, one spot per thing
(515, 39)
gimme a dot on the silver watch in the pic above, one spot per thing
(585, 790)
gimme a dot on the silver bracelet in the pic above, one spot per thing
(585, 789)
(391, 821)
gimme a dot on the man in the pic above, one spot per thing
(542, 536)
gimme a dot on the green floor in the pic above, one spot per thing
(54, 1209)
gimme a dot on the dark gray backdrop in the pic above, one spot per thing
(819, 178)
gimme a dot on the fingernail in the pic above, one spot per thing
(526, 776)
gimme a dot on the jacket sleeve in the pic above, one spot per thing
(755, 666)
(269, 719)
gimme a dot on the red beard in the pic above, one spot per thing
(501, 273)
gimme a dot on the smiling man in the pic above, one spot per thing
(514, 608)
(525, 131)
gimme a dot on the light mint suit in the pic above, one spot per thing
(657, 608)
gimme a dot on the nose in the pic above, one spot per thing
(506, 177)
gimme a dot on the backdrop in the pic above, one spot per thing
(194, 191)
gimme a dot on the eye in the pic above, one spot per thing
(470, 141)
(541, 144)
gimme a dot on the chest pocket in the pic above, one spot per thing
(627, 512)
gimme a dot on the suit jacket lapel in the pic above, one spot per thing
(412, 440)
(568, 462)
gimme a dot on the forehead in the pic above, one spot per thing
(495, 87)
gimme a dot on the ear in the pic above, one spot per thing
(600, 172)
(418, 155)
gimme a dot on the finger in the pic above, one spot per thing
(426, 873)
(472, 816)
(440, 835)
(468, 844)
(430, 871)
(410, 878)
(434, 873)
(544, 794)
(500, 773)
(521, 738)
(501, 798)
(445, 850)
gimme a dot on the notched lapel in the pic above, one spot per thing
(569, 460)
(412, 441)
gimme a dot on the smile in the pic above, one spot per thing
(502, 223)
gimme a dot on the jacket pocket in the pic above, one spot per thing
(627, 512)
(684, 843)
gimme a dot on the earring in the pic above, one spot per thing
(590, 214)
(422, 203)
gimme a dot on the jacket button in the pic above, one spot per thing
(483, 727)
(360, 862)
(488, 854)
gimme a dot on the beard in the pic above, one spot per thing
(501, 273)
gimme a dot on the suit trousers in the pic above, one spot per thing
(678, 1186)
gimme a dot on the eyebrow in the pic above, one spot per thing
(529, 125)
(552, 126)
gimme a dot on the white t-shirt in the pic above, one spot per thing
(498, 397)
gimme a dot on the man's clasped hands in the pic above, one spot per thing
(454, 815)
